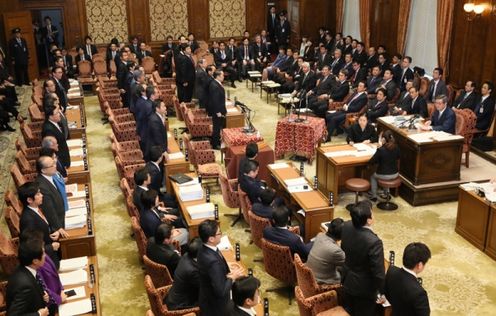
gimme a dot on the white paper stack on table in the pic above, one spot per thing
(75, 277)
(224, 244)
(73, 191)
(364, 150)
(78, 142)
(176, 155)
(75, 308)
(77, 215)
(191, 192)
(232, 110)
(76, 152)
(279, 165)
(204, 210)
(433, 136)
(73, 264)
(297, 185)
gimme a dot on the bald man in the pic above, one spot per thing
(51, 142)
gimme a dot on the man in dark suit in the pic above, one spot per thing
(142, 180)
(372, 59)
(185, 74)
(51, 127)
(356, 103)
(80, 57)
(279, 234)
(359, 55)
(152, 214)
(417, 104)
(128, 81)
(306, 82)
(245, 296)
(359, 74)
(468, 98)
(143, 52)
(246, 60)
(322, 91)
(217, 106)
(50, 33)
(89, 47)
(396, 68)
(484, 108)
(134, 45)
(323, 58)
(33, 218)
(156, 171)
(53, 205)
(19, 54)
(348, 66)
(249, 182)
(122, 71)
(113, 54)
(139, 79)
(403, 290)
(404, 100)
(272, 21)
(156, 134)
(169, 45)
(363, 277)
(283, 31)
(260, 53)
(437, 86)
(337, 63)
(374, 80)
(186, 286)
(388, 84)
(143, 110)
(306, 49)
(443, 118)
(57, 74)
(161, 250)
(378, 107)
(202, 80)
(216, 278)
(339, 91)
(192, 43)
(25, 292)
(264, 207)
(223, 61)
(405, 73)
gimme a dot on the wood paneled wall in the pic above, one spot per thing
(473, 48)
(384, 24)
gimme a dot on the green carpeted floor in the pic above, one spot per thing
(459, 279)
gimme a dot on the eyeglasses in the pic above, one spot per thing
(219, 234)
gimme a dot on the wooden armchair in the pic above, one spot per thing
(128, 172)
(156, 297)
(257, 225)
(3, 297)
(313, 305)
(139, 236)
(148, 64)
(202, 156)
(85, 76)
(244, 203)
(123, 131)
(31, 138)
(125, 188)
(30, 153)
(131, 157)
(278, 263)
(12, 201)
(306, 280)
(198, 126)
(12, 219)
(336, 105)
(35, 113)
(159, 273)
(465, 126)
(8, 254)
(132, 210)
(25, 165)
(100, 69)
(228, 188)
(19, 178)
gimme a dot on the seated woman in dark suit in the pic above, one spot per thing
(386, 157)
(362, 132)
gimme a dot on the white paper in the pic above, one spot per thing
(332, 111)
(80, 293)
(76, 152)
(433, 136)
(390, 119)
(72, 107)
(204, 210)
(365, 153)
(299, 188)
(75, 221)
(75, 142)
(77, 203)
(79, 211)
(191, 192)
(296, 181)
(75, 308)
(70, 188)
(340, 153)
(279, 165)
(267, 82)
(324, 225)
(74, 277)
(176, 155)
(362, 147)
(232, 110)
(72, 264)
(77, 163)
(224, 244)
(77, 195)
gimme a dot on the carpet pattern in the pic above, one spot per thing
(459, 279)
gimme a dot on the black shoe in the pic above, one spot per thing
(233, 85)
(373, 200)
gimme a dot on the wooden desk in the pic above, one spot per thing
(192, 223)
(332, 172)
(79, 171)
(234, 117)
(426, 162)
(76, 118)
(173, 166)
(314, 203)
(476, 221)
(81, 241)
(90, 288)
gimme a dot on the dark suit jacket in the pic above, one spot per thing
(185, 69)
(219, 60)
(156, 135)
(86, 57)
(390, 89)
(441, 89)
(404, 101)
(271, 23)
(217, 99)
(359, 76)
(360, 57)
(284, 237)
(340, 91)
(186, 286)
(351, 71)
(283, 32)
(307, 83)
(468, 102)
(48, 129)
(143, 109)
(166, 48)
(163, 254)
(24, 295)
(336, 66)
(149, 222)
(377, 110)
(371, 61)
(419, 107)
(116, 59)
(406, 295)
(138, 191)
(214, 285)
(357, 135)
(234, 310)
(396, 73)
(373, 83)
(19, 53)
(262, 210)
(252, 187)
(121, 75)
(364, 265)
(142, 54)
(61, 93)
(322, 61)
(241, 53)
(324, 87)
(53, 203)
(260, 51)
(157, 176)
(484, 118)
(355, 105)
(445, 123)
(201, 86)
(92, 48)
(404, 79)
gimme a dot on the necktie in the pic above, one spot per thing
(60, 185)
(246, 53)
(43, 287)
(434, 91)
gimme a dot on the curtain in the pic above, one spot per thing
(403, 17)
(339, 15)
(445, 17)
(364, 12)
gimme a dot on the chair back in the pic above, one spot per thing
(100, 67)
(465, 124)
(132, 209)
(12, 219)
(8, 254)
(244, 203)
(430, 109)
(12, 201)
(424, 86)
(278, 262)
(311, 306)
(25, 166)
(158, 272)
(113, 68)
(154, 297)
(305, 278)
(31, 139)
(140, 237)
(257, 225)
(35, 113)
(148, 64)
(451, 93)
(19, 178)
(126, 189)
(230, 197)
(3, 296)
(84, 67)
(100, 56)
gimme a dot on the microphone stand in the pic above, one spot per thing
(298, 119)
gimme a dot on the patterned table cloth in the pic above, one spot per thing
(299, 138)
(236, 137)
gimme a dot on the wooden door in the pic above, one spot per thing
(22, 19)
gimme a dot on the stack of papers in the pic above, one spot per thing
(76, 152)
(324, 225)
(298, 185)
(75, 142)
(204, 210)
(176, 155)
(77, 163)
(279, 165)
(76, 221)
(488, 188)
(340, 153)
(232, 110)
(77, 203)
(295, 181)
(75, 277)
(224, 244)
(433, 136)
(79, 211)
(80, 293)
(78, 263)
(75, 308)
(191, 192)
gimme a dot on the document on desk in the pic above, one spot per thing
(77, 163)
(191, 192)
(224, 244)
(80, 293)
(75, 277)
(75, 221)
(176, 155)
(204, 210)
(296, 181)
(76, 152)
(433, 136)
(75, 142)
(75, 308)
(78, 211)
(77, 203)
(232, 110)
(72, 264)
(340, 153)
(279, 165)
(299, 188)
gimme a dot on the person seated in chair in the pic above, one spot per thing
(251, 153)
(362, 131)
(443, 118)
(326, 258)
(321, 92)
(280, 234)
(418, 105)
(160, 249)
(356, 103)
(484, 108)
(377, 107)
(245, 296)
(155, 169)
(249, 182)
(468, 98)
(265, 208)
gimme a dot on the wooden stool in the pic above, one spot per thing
(356, 185)
(388, 184)
(335, 311)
